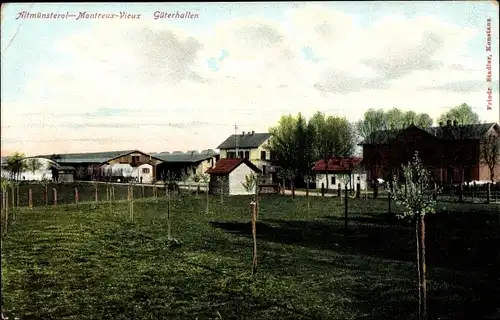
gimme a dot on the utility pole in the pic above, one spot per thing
(236, 140)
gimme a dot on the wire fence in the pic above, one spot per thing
(480, 194)
(36, 195)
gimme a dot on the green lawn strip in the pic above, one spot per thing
(86, 262)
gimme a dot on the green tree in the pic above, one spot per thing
(423, 120)
(416, 193)
(334, 136)
(15, 165)
(462, 113)
(283, 144)
(309, 137)
(33, 165)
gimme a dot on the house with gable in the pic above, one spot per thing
(229, 174)
(251, 146)
(186, 165)
(340, 171)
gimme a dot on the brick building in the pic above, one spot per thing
(449, 151)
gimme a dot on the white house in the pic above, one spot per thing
(228, 175)
(340, 171)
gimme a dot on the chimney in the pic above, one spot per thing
(455, 123)
(448, 123)
(252, 133)
(242, 133)
(441, 123)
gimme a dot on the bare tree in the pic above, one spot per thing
(221, 181)
(205, 177)
(490, 152)
(250, 185)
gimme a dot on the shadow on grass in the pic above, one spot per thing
(462, 259)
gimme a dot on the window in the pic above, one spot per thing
(194, 171)
(247, 154)
(240, 154)
(333, 180)
(264, 169)
(263, 155)
(231, 154)
(135, 158)
(186, 171)
(145, 170)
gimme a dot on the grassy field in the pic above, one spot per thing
(89, 263)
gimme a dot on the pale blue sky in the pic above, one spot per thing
(33, 46)
(29, 50)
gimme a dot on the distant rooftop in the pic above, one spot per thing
(245, 140)
(190, 156)
(90, 157)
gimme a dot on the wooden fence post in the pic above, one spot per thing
(46, 195)
(6, 210)
(76, 196)
(131, 203)
(488, 195)
(30, 199)
(110, 197)
(253, 206)
(54, 196)
(13, 197)
(340, 193)
(96, 194)
(2, 223)
(473, 191)
(339, 190)
(142, 190)
(17, 191)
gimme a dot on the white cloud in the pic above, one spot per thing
(159, 75)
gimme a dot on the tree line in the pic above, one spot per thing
(298, 143)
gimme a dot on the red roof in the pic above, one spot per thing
(336, 164)
(227, 165)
